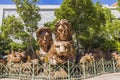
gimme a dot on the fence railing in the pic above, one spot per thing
(66, 71)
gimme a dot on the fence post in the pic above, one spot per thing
(20, 67)
(49, 71)
(84, 73)
(68, 70)
(103, 66)
(114, 68)
(33, 69)
(10, 72)
(94, 67)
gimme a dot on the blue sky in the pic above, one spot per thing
(40, 2)
(109, 2)
(57, 2)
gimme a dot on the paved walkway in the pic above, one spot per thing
(112, 76)
(8, 79)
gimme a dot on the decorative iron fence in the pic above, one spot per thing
(68, 71)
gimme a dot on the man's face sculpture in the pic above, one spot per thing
(44, 38)
(62, 32)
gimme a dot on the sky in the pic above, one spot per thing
(108, 2)
(58, 2)
(42, 2)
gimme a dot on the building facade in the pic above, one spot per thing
(46, 12)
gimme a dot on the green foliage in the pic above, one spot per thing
(118, 5)
(110, 32)
(112, 27)
(29, 13)
(116, 29)
(21, 28)
(51, 25)
(116, 34)
(108, 44)
(107, 30)
(92, 24)
(86, 19)
(11, 27)
(16, 46)
(118, 45)
(81, 13)
(4, 44)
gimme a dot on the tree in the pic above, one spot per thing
(110, 32)
(13, 29)
(118, 4)
(118, 31)
(4, 44)
(29, 14)
(107, 30)
(86, 18)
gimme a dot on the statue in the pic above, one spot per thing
(116, 57)
(62, 48)
(14, 57)
(63, 30)
(44, 37)
(60, 52)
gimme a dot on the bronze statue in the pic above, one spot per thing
(63, 30)
(44, 37)
(116, 57)
(60, 52)
(62, 48)
(14, 57)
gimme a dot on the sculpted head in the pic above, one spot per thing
(115, 54)
(89, 57)
(44, 37)
(14, 57)
(63, 30)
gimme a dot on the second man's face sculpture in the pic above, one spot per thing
(44, 38)
(62, 32)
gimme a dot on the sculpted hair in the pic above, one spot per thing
(43, 29)
(68, 24)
